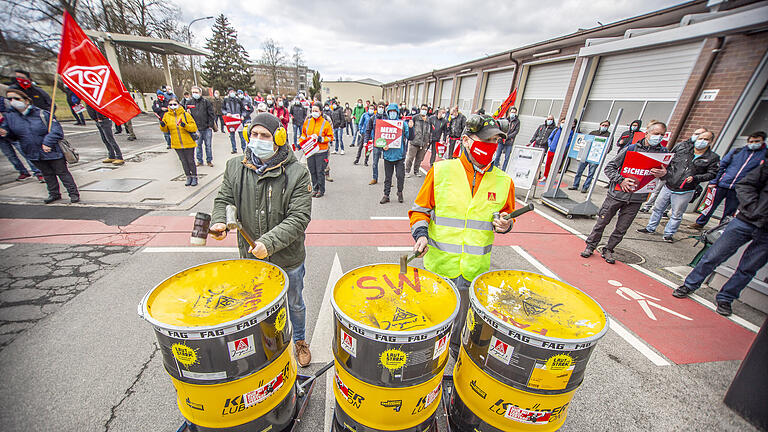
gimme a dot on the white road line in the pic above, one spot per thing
(330, 400)
(557, 222)
(193, 214)
(613, 324)
(7, 245)
(389, 217)
(190, 249)
(697, 298)
(395, 248)
(637, 344)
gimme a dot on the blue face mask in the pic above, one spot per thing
(754, 146)
(196, 95)
(263, 149)
(392, 115)
(655, 140)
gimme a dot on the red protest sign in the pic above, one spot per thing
(709, 199)
(233, 123)
(309, 146)
(389, 133)
(638, 165)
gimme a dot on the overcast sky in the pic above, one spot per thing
(388, 40)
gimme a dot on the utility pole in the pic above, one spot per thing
(189, 41)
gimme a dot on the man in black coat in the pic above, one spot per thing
(540, 137)
(298, 115)
(506, 145)
(202, 111)
(23, 82)
(439, 124)
(456, 123)
(337, 117)
(750, 224)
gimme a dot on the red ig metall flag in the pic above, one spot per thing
(88, 74)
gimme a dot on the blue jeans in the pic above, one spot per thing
(580, 171)
(678, 201)
(232, 141)
(296, 301)
(7, 147)
(167, 136)
(204, 143)
(296, 134)
(339, 135)
(348, 128)
(376, 155)
(736, 234)
(507, 149)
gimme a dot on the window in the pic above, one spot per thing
(542, 107)
(596, 111)
(657, 111)
(631, 112)
(557, 106)
(526, 107)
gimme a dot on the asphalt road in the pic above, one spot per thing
(76, 357)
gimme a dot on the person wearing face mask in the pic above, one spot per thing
(202, 111)
(734, 166)
(357, 115)
(233, 106)
(467, 190)
(248, 107)
(540, 137)
(337, 117)
(160, 107)
(631, 135)
(181, 126)
(456, 123)
(693, 163)
(439, 125)
(217, 103)
(279, 111)
(370, 129)
(506, 146)
(271, 191)
(602, 132)
(29, 125)
(361, 128)
(320, 128)
(23, 81)
(393, 158)
(417, 149)
(348, 120)
(624, 201)
(298, 115)
(552, 142)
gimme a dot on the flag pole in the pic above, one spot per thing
(55, 80)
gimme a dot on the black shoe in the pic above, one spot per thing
(668, 239)
(52, 198)
(232, 152)
(572, 187)
(724, 308)
(132, 138)
(320, 195)
(314, 194)
(644, 230)
(366, 163)
(608, 256)
(384, 200)
(74, 199)
(189, 181)
(584, 190)
(682, 291)
(666, 214)
(644, 210)
(193, 182)
(399, 197)
(587, 252)
(355, 162)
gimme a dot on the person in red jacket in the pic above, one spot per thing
(279, 111)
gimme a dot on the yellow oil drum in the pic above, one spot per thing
(526, 343)
(391, 335)
(225, 337)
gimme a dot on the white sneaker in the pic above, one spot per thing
(342, 152)
(333, 152)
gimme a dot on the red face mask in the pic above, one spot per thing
(483, 152)
(24, 83)
(160, 98)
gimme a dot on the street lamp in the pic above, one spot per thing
(189, 41)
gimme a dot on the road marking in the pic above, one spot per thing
(389, 218)
(395, 248)
(644, 300)
(7, 245)
(191, 249)
(697, 298)
(69, 134)
(637, 343)
(613, 324)
(557, 222)
(193, 214)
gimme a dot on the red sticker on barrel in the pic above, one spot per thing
(348, 343)
(441, 345)
(500, 350)
(260, 394)
(241, 348)
(527, 416)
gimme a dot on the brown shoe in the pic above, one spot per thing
(373, 182)
(695, 226)
(118, 162)
(210, 164)
(303, 356)
(328, 178)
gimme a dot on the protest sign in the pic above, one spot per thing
(596, 150)
(706, 204)
(525, 165)
(638, 165)
(309, 146)
(389, 133)
(233, 122)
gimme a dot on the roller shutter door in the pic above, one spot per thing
(543, 94)
(431, 93)
(466, 93)
(446, 87)
(497, 89)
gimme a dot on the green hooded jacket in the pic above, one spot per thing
(274, 207)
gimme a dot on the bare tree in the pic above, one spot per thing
(272, 58)
(298, 62)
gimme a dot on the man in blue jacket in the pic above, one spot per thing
(367, 115)
(734, 166)
(394, 158)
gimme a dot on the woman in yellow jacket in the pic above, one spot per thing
(181, 125)
(315, 125)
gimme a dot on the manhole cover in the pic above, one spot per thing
(625, 256)
(116, 185)
(141, 157)
(184, 177)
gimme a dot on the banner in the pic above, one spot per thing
(638, 165)
(706, 204)
(501, 111)
(88, 74)
(233, 123)
(389, 133)
(525, 165)
(596, 150)
(309, 146)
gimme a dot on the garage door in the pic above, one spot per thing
(420, 94)
(411, 95)
(543, 95)
(431, 93)
(446, 87)
(497, 89)
(466, 93)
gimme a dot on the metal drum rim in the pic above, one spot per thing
(475, 303)
(144, 312)
(379, 331)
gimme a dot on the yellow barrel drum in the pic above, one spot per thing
(391, 336)
(225, 338)
(525, 346)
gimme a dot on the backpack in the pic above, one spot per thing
(70, 154)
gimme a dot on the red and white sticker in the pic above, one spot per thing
(348, 343)
(527, 416)
(432, 396)
(241, 348)
(500, 350)
(441, 345)
(262, 393)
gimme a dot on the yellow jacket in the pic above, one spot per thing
(180, 137)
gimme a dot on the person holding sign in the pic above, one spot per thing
(233, 107)
(452, 219)
(626, 193)
(602, 132)
(370, 129)
(394, 133)
(316, 127)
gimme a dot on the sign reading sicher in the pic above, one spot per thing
(638, 165)
(389, 133)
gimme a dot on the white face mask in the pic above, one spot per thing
(231, 94)
(655, 140)
(263, 149)
(603, 128)
(423, 112)
(701, 144)
(196, 95)
(512, 115)
(370, 111)
(754, 146)
(173, 106)
(379, 110)
(315, 114)
(19, 105)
